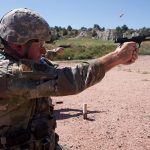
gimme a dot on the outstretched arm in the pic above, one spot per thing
(127, 53)
(67, 80)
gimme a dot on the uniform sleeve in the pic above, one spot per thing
(74, 80)
(42, 81)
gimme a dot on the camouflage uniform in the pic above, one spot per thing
(26, 115)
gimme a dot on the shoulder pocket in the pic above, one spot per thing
(30, 69)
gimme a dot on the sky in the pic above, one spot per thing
(86, 13)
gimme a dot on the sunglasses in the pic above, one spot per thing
(41, 43)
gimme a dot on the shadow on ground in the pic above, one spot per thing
(70, 113)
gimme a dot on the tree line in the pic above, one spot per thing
(119, 31)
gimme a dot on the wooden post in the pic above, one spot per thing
(84, 111)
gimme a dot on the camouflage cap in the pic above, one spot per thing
(21, 25)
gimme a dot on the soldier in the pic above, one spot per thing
(27, 80)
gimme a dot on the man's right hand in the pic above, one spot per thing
(127, 53)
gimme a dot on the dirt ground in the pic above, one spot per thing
(118, 111)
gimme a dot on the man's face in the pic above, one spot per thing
(36, 50)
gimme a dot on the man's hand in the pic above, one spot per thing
(59, 50)
(51, 54)
(127, 53)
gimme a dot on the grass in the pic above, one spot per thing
(145, 48)
(90, 48)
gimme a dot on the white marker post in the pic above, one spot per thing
(84, 111)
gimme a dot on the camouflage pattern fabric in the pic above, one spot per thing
(21, 25)
(25, 87)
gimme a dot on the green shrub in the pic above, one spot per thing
(89, 48)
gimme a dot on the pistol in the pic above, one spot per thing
(137, 39)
